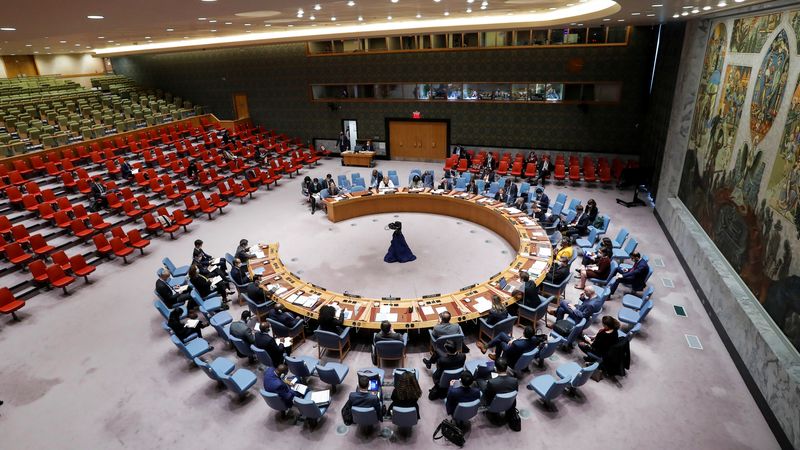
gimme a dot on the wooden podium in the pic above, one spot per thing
(362, 159)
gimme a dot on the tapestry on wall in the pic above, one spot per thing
(741, 175)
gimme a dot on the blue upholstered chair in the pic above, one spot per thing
(404, 417)
(587, 243)
(358, 188)
(344, 184)
(577, 375)
(479, 368)
(624, 253)
(534, 314)
(242, 347)
(481, 185)
(635, 302)
(296, 331)
(221, 365)
(448, 376)
(461, 184)
(630, 334)
(490, 331)
(310, 411)
(632, 317)
(493, 188)
(465, 411)
(604, 228)
(172, 281)
(548, 388)
(221, 322)
(573, 204)
(552, 232)
(390, 350)
(628, 266)
(457, 339)
(208, 305)
(274, 402)
(165, 311)
(173, 269)
(502, 402)
(302, 366)
(569, 216)
(192, 349)
(611, 274)
(549, 348)
(332, 373)
(560, 198)
(258, 309)
(557, 208)
(332, 341)
(573, 334)
(262, 356)
(394, 179)
(364, 417)
(523, 362)
(620, 239)
(555, 289)
(239, 381)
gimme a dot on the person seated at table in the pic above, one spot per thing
(386, 334)
(500, 194)
(589, 304)
(376, 179)
(443, 328)
(254, 291)
(564, 249)
(264, 340)
(488, 176)
(406, 391)
(239, 273)
(330, 185)
(449, 358)
(592, 256)
(463, 393)
(387, 183)
(416, 182)
(369, 147)
(180, 328)
(580, 225)
(445, 183)
(635, 277)
(275, 383)
(596, 348)
(539, 203)
(280, 315)
(558, 272)
(204, 285)
(208, 265)
(503, 383)
(498, 311)
(472, 188)
(510, 192)
(243, 251)
(171, 297)
(364, 398)
(599, 271)
(328, 320)
(512, 349)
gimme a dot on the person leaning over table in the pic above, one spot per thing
(498, 311)
(243, 251)
(375, 179)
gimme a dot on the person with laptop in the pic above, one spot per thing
(365, 397)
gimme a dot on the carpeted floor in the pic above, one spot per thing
(95, 370)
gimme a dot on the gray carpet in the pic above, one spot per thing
(95, 370)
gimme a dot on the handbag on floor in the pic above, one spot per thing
(513, 420)
(450, 431)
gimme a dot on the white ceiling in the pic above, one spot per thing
(58, 26)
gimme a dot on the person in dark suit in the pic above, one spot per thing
(489, 176)
(449, 359)
(544, 169)
(376, 179)
(99, 193)
(589, 304)
(280, 315)
(386, 334)
(597, 348)
(254, 291)
(512, 349)
(443, 328)
(239, 273)
(204, 286)
(265, 341)
(170, 297)
(343, 144)
(364, 398)
(530, 291)
(369, 147)
(472, 188)
(634, 277)
(503, 383)
(274, 383)
(464, 393)
(558, 272)
(180, 329)
(457, 150)
(125, 169)
(192, 170)
(580, 225)
(242, 251)
(511, 192)
(490, 162)
(540, 203)
(204, 262)
(328, 320)
(591, 210)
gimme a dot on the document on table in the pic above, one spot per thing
(427, 310)
(300, 388)
(513, 210)
(310, 301)
(538, 267)
(385, 309)
(286, 341)
(441, 309)
(482, 305)
(545, 251)
(292, 298)
(258, 270)
(391, 317)
(321, 397)
(437, 191)
(348, 314)
(191, 323)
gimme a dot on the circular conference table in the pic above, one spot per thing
(534, 254)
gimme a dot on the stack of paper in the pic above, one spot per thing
(437, 191)
(321, 397)
(215, 280)
(191, 323)
(441, 309)
(300, 388)
(258, 270)
(482, 305)
(391, 317)
(538, 267)
(385, 309)
(513, 211)
(427, 310)
(545, 251)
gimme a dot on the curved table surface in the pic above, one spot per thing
(534, 254)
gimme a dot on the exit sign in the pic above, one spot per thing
(416, 115)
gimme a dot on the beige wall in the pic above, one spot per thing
(68, 64)
(2, 69)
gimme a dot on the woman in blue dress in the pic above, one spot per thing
(398, 249)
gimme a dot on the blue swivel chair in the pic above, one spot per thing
(192, 349)
(172, 281)
(560, 198)
(620, 239)
(297, 331)
(494, 187)
(635, 302)
(239, 381)
(465, 411)
(630, 334)
(628, 266)
(310, 411)
(534, 314)
(221, 365)
(569, 216)
(229, 258)
(549, 348)
(358, 188)
(332, 341)
(275, 402)
(577, 375)
(262, 356)
(587, 243)
(344, 184)
(479, 368)
(604, 228)
(611, 274)
(632, 317)
(365, 417)
(355, 176)
(461, 184)
(173, 269)
(625, 252)
(457, 339)
(523, 362)
(557, 209)
(573, 334)
(165, 311)
(404, 418)
(502, 402)
(448, 376)
(573, 204)
(481, 185)
(548, 388)
(490, 331)
(302, 366)
(395, 180)
(552, 231)
(555, 289)
(258, 309)
(390, 350)
(208, 305)
(222, 324)
(333, 374)
(242, 347)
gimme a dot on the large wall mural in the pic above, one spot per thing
(741, 175)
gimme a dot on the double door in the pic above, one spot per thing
(418, 141)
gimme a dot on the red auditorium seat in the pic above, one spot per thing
(151, 225)
(121, 249)
(102, 245)
(5, 225)
(559, 173)
(79, 228)
(118, 233)
(20, 234)
(61, 259)
(80, 267)
(58, 278)
(502, 168)
(9, 304)
(40, 246)
(97, 222)
(38, 270)
(16, 255)
(530, 170)
(136, 240)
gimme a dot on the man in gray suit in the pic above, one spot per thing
(443, 328)
(386, 334)
(239, 329)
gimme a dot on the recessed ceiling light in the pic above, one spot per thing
(706, 8)
(580, 24)
(572, 23)
(170, 29)
(675, 16)
(312, 17)
(351, 3)
(290, 25)
(268, 25)
(111, 41)
(436, 1)
(147, 37)
(570, 4)
(62, 42)
(201, 18)
(553, 8)
(418, 16)
(636, 14)
(469, 10)
(7, 29)
(688, 7)
(317, 7)
(447, 13)
(360, 18)
(101, 37)
(47, 48)
(117, 44)
(695, 11)
(28, 45)
(208, 1)
(248, 24)
(651, 15)
(228, 23)
(738, 1)
(483, 6)
(36, 53)
(388, 17)
(95, 17)
(212, 21)
(395, 1)
(470, 1)
(620, 20)
(248, 31)
(722, 4)
(684, 13)
(213, 31)
(77, 45)
(149, 40)
(606, 20)
(657, 5)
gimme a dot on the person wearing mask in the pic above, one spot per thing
(540, 203)
(386, 184)
(564, 249)
(171, 297)
(490, 163)
(239, 329)
(275, 383)
(592, 257)
(472, 188)
(503, 383)
(635, 277)
(369, 147)
(181, 329)
(328, 320)
(376, 179)
(406, 391)
(500, 195)
(330, 185)
(601, 271)
(558, 272)
(416, 183)
(591, 210)
(589, 304)
(511, 192)
(254, 291)
(243, 251)
(580, 225)
(364, 398)
(464, 393)
(264, 340)
(208, 265)
(204, 286)
(529, 289)
(596, 348)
